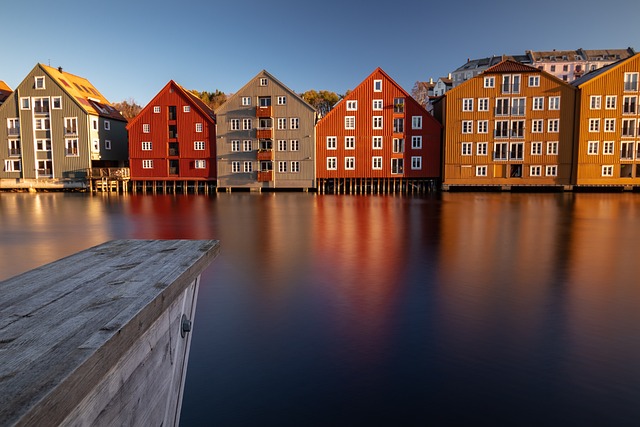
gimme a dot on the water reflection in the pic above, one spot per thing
(514, 309)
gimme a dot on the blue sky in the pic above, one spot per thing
(131, 49)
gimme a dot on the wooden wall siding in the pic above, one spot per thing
(305, 134)
(460, 169)
(589, 166)
(333, 124)
(96, 338)
(185, 123)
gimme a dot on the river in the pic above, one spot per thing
(447, 309)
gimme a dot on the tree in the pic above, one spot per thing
(420, 93)
(212, 99)
(128, 108)
(323, 101)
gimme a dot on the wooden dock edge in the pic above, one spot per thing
(101, 337)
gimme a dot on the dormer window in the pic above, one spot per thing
(39, 82)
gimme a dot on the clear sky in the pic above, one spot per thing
(132, 48)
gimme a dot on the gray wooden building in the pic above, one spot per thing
(265, 138)
(58, 127)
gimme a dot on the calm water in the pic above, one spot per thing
(459, 309)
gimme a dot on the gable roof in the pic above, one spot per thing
(83, 92)
(600, 71)
(511, 66)
(263, 73)
(197, 103)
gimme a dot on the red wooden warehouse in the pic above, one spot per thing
(172, 143)
(378, 139)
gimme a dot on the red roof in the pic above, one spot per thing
(510, 66)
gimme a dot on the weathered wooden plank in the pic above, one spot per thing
(67, 324)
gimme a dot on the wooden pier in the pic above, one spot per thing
(101, 337)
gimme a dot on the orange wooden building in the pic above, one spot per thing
(172, 143)
(377, 139)
(510, 126)
(608, 118)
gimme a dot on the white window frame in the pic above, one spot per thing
(247, 124)
(294, 145)
(332, 143)
(416, 122)
(534, 81)
(416, 163)
(264, 81)
(467, 104)
(156, 109)
(352, 105)
(350, 163)
(377, 122)
(416, 142)
(489, 82)
(146, 146)
(482, 148)
(25, 103)
(147, 164)
(607, 147)
(246, 101)
(13, 165)
(483, 104)
(200, 164)
(610, 102)
(536, 148)
(186, 108)
(146, 128)
(467, 126)
(610, 125)
(481, 170)
(247, 166)
(538, 103)
(282, 145)
(71, 147)
(552, 148)
(607, 170)
(551, 170)
(377, 85)
(594, 125)
(554, 103)
(282, 123)
(281, 100)
(349, 142)
(376, 162)
(39, 83)
(537, 126)
(466, 149)
(349, 122)
(553, 125)
(282, 167)
(107, 125)
(247, 145)
(294, 123)
(332, 163)
(535, 170)
(235, 145)
(595, 102)
(483, 126)
(295, 166)
(198, 145)
(377, 105)
(235, 167)
(376, 142)
(593, 148)
(56, 103)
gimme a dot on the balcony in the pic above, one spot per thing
(265, 176)
(263, 111)
(265, 155)
(41, 110)
(15, 152)
(13, 131)
(264, 133)
(70, 131)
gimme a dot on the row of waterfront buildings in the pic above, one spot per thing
(512, 125)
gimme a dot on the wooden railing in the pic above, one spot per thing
(101, 337)
(119, 173)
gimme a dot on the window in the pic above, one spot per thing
(282, 123)
(628, 127)
(94, 124)
(12, 166)
(416, 122)
(517, 128)
(13, 127)
(281, 100)
(264, 101)
(467, 104)
(247, 145)
(483, 104)
(56, 102)
(295, 145)
(489, 82)
(377, 104)
(610, 102)
(630, 82)
(536, 148)
(247, 167)
(246, 101)
(294, 123)
(481, 171)
(502, 107)
(349, 142)
(483, 126)
(607, 147)
(398, 145)
(510, 83)
(377, 85)
(538, 103)
(481, 148)
(500, 151)
(594, 125)
(24, 104)
(295, 167)
(626, 150)
(416, 162)
(595, 102)
(263, 81)
(41, 124)
(235, 145)
(502, 129)
(537, 125)
(14, 147)
(377, 143)
(609, 125)
(332, 163)
(592, 148)
(466, 148)
(147, 146)
(282, 145)
(350, 163)
(350, 122)
(376, 162)
(332, 142)
(186, 108)
(39, 82)
(147, 164)
(398, 105)
(467, 126)
(265, 123)
(607, 170)
(416, 142)
(397, 166)
(235, 167)
(377, 122)
(282, 167)
(534, 81)
(200, 164)
(554, 103)
(517, 151)
(629, 105)
(70, 126)
(71, 147)
(198, 145)
(246, 124)
(352, 105)
(535, 171)
(552, 148)
(551, 170)
(156, 109)
(553, 125)
(107, 144)
(518, 106)
(107, 125)
(146, 128)
(553, 68)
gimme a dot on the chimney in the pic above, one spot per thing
(430, 80)
(449, 76)
(60, 69)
